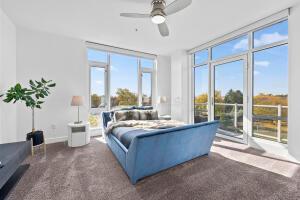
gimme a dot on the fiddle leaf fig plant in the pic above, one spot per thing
(33, 97)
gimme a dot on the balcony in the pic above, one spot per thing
(268, 121)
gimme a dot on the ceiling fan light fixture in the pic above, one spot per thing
(158, 19)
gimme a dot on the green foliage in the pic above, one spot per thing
(269, 99)
(95, 101)
(124, 98)
(33, 96)
(234, 97)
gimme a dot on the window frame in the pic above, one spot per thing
(145, 71)
(107, 66)
(94, 64)
(249, 30)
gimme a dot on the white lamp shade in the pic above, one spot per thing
(162, 99)
(77, 101)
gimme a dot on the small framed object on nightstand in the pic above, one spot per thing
(78, 134)
(165, 117)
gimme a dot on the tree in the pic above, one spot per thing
(124, 97)
(32, 97)
(203, 98)
(234, 97)
(95, 101)
(269, 99)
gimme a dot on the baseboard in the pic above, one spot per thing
(56, 140)
(96, 132)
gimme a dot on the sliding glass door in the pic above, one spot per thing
(229, 95)
(243, 82)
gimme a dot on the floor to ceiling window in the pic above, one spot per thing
(146, 74)
(243, 83)
(118, 80)
(201, 89)
(270, 83)
(124, 81)
(201, 93)
(98, 62)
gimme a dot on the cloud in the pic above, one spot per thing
(256, 73)
(99, 82)
(113, 68)
(264, 39)
(269, 38)
(262, 63)
(241, 45)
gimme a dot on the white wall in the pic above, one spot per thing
(164, 83)
(294, 82)
(180, 86)
(62, 60)
(7, 77)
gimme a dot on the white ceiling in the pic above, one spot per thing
(99, 20)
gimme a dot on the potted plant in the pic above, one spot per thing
(32, 97)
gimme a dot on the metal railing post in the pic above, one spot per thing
(235, 115)
(279, 111)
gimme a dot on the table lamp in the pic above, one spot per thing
(77, 101)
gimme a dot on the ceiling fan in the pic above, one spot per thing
(159, 13)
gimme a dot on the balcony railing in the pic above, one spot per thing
(201, 109)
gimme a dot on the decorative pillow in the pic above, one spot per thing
(148, 115)
(143, 107)
(112, 112)
(124, 115)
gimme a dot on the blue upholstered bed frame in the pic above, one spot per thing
(152, 152)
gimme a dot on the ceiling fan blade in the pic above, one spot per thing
(134, 15)
(163, 29)
(177, 6)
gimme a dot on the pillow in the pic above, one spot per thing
(124, 115)
(112, 112)
(148, 115)
(143, 107)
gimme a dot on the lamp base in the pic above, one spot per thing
(79, 122)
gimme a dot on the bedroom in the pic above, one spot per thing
(90, 51)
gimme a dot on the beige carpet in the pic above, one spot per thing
(232, 171)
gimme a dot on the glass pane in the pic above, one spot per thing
(98, 56)
(275, 33)
(201, 57)
(94, 120)
(271, 93)
(201, 94)
(229, 97)
(232, 47)
(147, 89)
(97, 87)
(147, 63)
(124, 81)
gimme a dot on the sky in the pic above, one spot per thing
(270, 66)
(123, 70)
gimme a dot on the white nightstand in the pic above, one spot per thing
(79, 134)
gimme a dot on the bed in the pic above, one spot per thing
(147, 152)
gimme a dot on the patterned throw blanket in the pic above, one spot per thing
(144, 124)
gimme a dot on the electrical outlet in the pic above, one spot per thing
(53, 126)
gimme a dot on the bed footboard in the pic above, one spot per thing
(162, 149)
